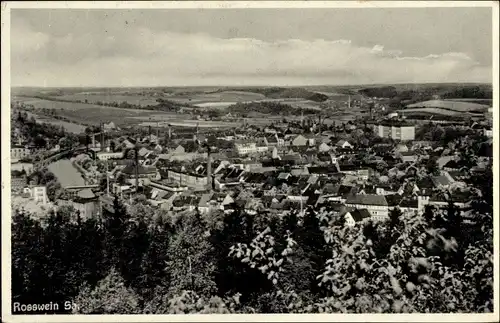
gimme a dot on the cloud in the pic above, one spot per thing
(140, 57)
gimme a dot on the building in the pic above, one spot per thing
(84, 202)
(18, 182)
(145, 174)
(300, 141)
(395, 130)
(110, 126)
(19, 152)
(37, 193)
(104, 155)
(344, 144)
(356, 216)
(245, 148)
(376, 204)
(26, 167)
(488, 132)
(408, 156)
(275, 140)
(191, 180)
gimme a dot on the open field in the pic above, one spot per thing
(225, 96)
(433, 111)
(89, 113)
(109, 98)
(458, 106)
(488, 102)
(68, 126)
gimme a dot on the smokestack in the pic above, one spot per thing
(169, 132)
(349, 102)
(302, 118)
(102, 136)
(149, 131)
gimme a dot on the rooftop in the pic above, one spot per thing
(367, 199)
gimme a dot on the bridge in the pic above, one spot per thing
(80, 187)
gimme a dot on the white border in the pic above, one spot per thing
(5, 148)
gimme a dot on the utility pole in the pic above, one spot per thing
(136, 168)
(107, 177)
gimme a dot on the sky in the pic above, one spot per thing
(215, 47)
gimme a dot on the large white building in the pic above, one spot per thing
(250, 148)
(395, 131)
(375, 204)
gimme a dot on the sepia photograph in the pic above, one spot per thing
(163, 158)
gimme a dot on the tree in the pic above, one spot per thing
(40, 142)
(432, 166)
(190, 263)
(115, 225)
(110, 296)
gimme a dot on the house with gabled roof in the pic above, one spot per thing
(356, 216)
(323, 147)
(408, 156)
(186, 203)
(300, 141)
(441, 181)
(367, 189)
(344, 144)
(409, 205)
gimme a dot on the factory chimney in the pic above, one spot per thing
(102, 136)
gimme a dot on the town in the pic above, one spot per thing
(359, 170)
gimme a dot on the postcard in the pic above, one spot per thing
(273, 161)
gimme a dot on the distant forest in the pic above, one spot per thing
(403, 95)
(284, 93)
(445, 92)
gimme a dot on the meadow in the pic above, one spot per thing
(225, 96)
(68, 126)
(92, 97)
(430, 111)
(458, 106)
(83, 113)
